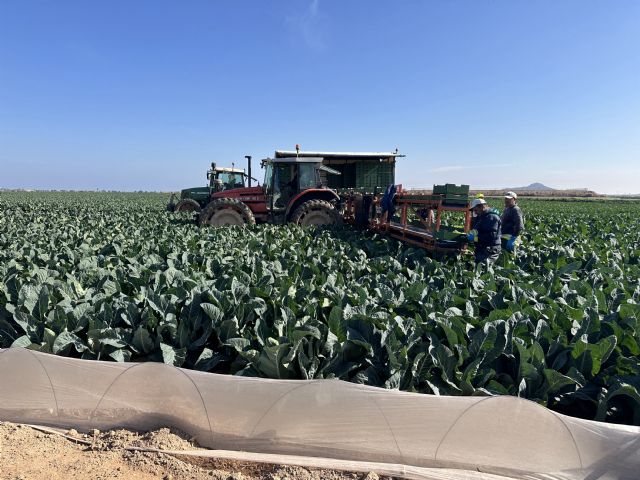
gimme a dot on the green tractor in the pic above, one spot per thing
(220, 179)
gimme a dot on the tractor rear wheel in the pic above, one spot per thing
(187, 205)
(316, 212)
(226, 211)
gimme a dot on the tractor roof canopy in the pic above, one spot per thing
(358, 170)
(338, 155)
(294, 159)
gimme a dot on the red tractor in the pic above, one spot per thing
(294, 191)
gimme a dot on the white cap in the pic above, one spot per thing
(476, 202)
(513, 195)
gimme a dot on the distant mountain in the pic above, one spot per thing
(534, 186)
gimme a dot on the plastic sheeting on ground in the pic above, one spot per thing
(322, 418)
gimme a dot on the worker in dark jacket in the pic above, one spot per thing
(512, 221)
(486, 232)
(387, 205)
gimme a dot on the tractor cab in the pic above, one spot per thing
(287, 178)
(225, 178)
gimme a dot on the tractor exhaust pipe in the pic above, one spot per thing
(248, 157)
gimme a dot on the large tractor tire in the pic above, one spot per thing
(316, 212)
(187, 205)
(226, 211)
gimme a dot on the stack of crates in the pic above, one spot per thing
(362, 175)
(374, 174)
(453, 195)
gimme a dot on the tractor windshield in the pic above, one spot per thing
(231, 180)
(285, 183)
(308, 176)
(268, 177)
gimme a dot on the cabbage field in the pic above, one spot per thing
(112, 276)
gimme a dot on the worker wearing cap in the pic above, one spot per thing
(512, 221)
(486, 233)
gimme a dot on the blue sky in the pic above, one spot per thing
(132, 95)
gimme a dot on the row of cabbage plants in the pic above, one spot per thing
(114, 277)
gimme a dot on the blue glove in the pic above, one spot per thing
(471, 236)
(511, 244)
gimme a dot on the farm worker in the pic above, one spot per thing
(387, 207)
(478, 195)
(486, 232)
(512, 221)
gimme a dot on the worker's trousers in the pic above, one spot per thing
(487, 254)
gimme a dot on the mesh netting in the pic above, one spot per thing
(321, 418)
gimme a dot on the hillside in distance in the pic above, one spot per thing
(536, 186)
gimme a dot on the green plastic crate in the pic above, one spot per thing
(371, 174)
(451, 189)
(454, 195)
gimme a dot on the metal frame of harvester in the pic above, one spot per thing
(418, 220)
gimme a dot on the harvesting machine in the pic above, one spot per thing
(437, 222)
(327, 188)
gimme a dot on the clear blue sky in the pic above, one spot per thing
(132, 95)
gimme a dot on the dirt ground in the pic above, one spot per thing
(26, 453)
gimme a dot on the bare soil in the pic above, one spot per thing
(27, 453)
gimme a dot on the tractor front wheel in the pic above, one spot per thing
(187, 205)
(226, 211)
(316, 212)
